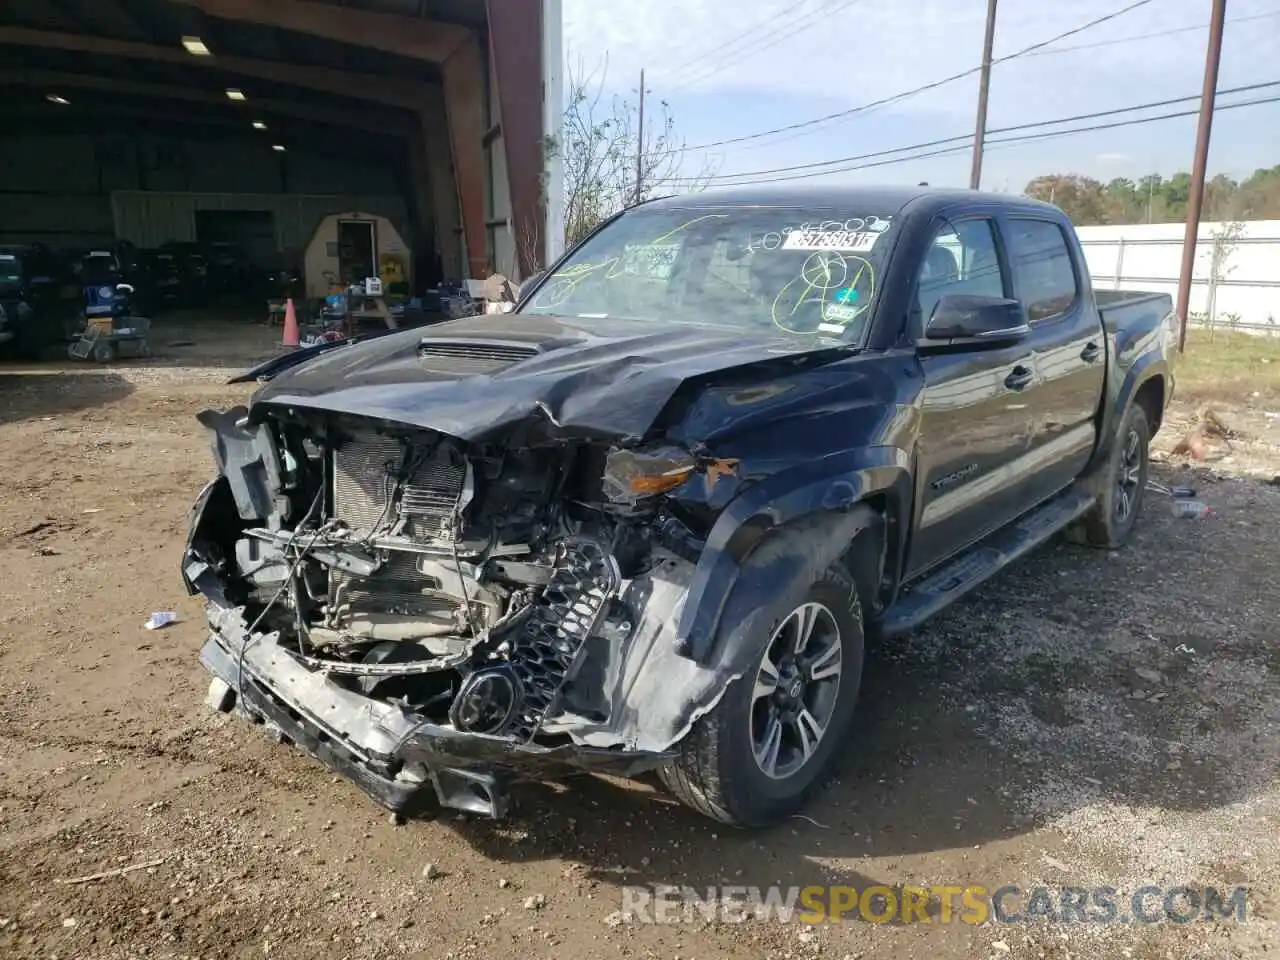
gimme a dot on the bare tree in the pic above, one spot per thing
(599, 143)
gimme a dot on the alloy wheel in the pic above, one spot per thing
(1130, 476)
(796, 690)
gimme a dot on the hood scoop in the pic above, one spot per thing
(463, 358)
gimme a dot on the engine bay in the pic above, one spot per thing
(460, 582)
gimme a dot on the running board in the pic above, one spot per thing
(921, 600)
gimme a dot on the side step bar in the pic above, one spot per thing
(922, 599)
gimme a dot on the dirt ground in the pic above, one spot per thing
(1084, 719)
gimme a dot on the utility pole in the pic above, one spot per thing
(640, 144)
(1196, 200)
(980, 135)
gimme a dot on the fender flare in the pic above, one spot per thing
(828, 496)
(1144, 368)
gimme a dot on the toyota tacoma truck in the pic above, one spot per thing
(647, 520)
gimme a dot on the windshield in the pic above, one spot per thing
(801, 271)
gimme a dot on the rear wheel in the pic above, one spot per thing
(759, 754)
(1120, 485)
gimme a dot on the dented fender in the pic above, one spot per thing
(654, 693)
(822, 488)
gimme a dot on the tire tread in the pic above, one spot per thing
(697, 777)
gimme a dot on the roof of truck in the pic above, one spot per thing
(883, 200)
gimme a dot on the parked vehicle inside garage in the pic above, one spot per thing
(648, 519)
(32, 308)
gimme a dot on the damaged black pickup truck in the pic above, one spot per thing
(646, 520)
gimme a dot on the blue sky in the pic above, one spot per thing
(732, 68)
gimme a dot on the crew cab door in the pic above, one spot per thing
(975, 424)
(1068, 352)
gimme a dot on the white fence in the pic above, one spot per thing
(1236, 282)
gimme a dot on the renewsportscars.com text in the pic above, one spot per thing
(969, 904)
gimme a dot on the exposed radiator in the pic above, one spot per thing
(364, 488)
(364, 472)
(397, 588)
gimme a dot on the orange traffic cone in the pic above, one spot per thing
(290, 338)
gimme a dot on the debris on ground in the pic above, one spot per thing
(1017, 698)
(117, 872)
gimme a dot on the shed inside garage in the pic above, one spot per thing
(252, 120)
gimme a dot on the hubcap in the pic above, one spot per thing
(1130, 476)
(795, 691)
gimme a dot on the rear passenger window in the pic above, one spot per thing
(1044, 276)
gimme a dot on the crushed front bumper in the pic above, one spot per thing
(400, 759)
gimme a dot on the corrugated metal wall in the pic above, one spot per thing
(1234, 282)
(49, 191)
(149, 218)
(74, 190)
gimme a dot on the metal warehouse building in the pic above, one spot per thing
(251, 121)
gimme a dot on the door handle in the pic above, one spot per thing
(1018, 378)
(1090, 352)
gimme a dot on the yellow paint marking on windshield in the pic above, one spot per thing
(824, 274)
(690, 223)
(562, 284)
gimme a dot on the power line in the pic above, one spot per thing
(964, 147)
(898, 97)
(722, 49)
(1056, 50)
(685, 49)
(1195, 28)
(968, 137)
(700, 73)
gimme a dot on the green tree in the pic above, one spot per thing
(1081, 198)
(1153, 199)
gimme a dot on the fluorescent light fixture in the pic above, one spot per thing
(259, 125)
(195, 46)
(234, 94)
(54, 98)
(278, 147)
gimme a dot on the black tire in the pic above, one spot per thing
(1119, 486)
(717, 773)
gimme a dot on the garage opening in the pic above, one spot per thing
(205, 144)
(250, 232)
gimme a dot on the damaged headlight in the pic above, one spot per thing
(633, 475)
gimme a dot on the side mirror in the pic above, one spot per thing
(978, 320)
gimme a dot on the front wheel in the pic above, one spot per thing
(1120, 486)
(757, 756)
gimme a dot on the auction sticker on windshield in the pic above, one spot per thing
(652, 261)
(844, 241)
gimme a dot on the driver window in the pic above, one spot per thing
(962, 259)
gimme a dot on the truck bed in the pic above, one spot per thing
(1133, 309)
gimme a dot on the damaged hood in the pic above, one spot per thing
(471, 377)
